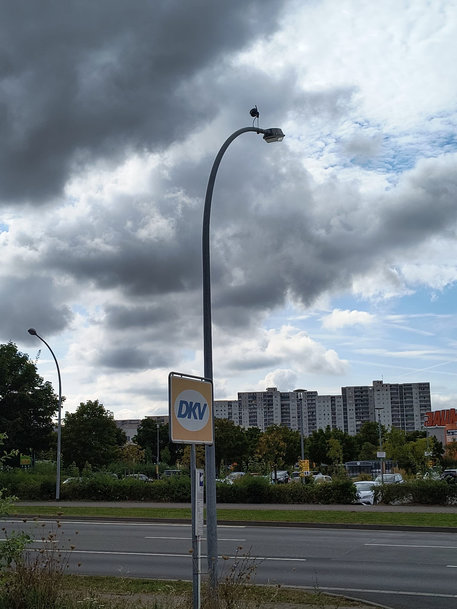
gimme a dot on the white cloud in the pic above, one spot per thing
(339, 319)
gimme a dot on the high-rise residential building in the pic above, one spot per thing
(398, 405)
(402, 405)
(357, 407)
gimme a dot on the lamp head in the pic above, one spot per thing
(273, 135)
(32, 331)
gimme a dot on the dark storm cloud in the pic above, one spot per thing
(83, 80)
(31, 302)
(143, 316)
(308, 243)
(130, 358)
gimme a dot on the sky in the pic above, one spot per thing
(333, 253)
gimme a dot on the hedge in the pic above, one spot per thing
(249, 489)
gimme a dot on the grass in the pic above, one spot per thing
(149, 590)
(419, 519)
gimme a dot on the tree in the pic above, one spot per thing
(367, 452)
(369, 432)
(317, 447)
(335, 451)
(27, 403)
(272, 447)
(132, 454)
(146, 438)
(230, 442)
(91, 435)
(396, 448)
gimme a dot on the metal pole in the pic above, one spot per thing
(33, 332)
(380, 443)
(157, 451)
(210, 453)
(195, 537)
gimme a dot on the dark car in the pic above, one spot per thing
(450, 475)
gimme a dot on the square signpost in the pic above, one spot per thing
(190, 401)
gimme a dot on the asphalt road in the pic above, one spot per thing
(399, 569)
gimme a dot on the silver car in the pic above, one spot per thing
(365, 491)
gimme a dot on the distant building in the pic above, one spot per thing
(394, 405)
(442, 424)
(130, 426)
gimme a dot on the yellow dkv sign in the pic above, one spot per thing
(190, 401)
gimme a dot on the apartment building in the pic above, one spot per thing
(398, 405)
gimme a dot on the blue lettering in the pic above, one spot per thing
(182, 410)
(201, 411)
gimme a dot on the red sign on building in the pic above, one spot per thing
(440, 418)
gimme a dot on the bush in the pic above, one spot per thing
(423, 492)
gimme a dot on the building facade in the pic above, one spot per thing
(393, 405)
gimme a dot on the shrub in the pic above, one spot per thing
(424, 492)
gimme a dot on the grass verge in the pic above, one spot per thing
(154, 592)
(291, 516)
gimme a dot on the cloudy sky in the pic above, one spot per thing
(334, 253)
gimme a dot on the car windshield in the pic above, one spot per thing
(364, 485)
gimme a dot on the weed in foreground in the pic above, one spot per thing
(32, 577)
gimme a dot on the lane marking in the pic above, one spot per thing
(172, 555)
(405, 545)
(187, 538)
(122, 523)
(401, 592)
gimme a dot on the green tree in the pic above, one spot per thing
(27, 403)
(349, 444)
(231, 443)
(146, 438)
(272, 447)
(334, 451)
(91, 435)
(252, 435)
(317, 447)
(396, 448)
(367, 452)
(369, 432)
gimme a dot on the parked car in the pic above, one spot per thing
(71, 479)
(235, 476)
(296, 477)
(365, 491)
(322, 478)
(141, 477)
(450, 475)
(168, 473)
(389, 479)
(281, 477)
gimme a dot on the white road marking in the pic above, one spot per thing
(189, 554)
(401, 592)
(405, 545)
(187, 538)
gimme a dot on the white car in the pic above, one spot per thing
(322, 478)
(365, 491)
(389, 479)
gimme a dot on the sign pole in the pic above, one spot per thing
(191, 422)
(196, 535)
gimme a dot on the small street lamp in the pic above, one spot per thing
(381, 453)
(33, 332)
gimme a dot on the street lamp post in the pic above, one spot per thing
(33, 332)
(381, 454)
(269, 135)
(157, 451)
